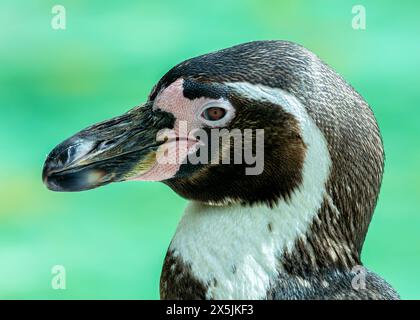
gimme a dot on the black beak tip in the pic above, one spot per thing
(48, 176)
(56, 178)
(54, 174)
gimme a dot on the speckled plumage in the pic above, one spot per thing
(177, 282)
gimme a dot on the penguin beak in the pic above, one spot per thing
(113, 150)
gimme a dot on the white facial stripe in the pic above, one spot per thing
(234, 244)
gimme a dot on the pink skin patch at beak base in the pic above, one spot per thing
(180, 143)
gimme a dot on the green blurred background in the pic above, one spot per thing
(112, 240)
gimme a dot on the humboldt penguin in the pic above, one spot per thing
(293, 229)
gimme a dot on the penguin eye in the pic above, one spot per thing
(213, 113)
(216, 113)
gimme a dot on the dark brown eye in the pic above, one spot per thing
(213, 113)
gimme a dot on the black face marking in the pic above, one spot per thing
(194, 90)
(283, 145)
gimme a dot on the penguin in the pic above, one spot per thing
(294, 230)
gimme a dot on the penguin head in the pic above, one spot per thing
(318, 135)
(198, 132)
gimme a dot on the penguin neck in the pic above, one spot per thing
(238, 252)
(235, 250)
